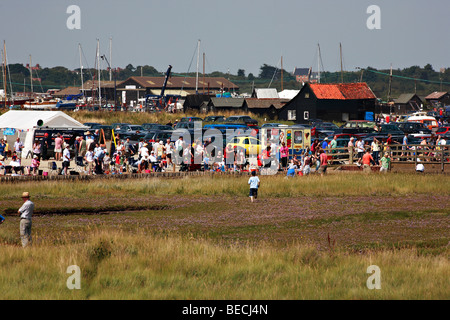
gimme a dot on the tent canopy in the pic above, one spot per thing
(23, 120)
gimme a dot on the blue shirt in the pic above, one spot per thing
(324, 144)
(253, 182)
(1, 219)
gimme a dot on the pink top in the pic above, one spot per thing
(58, 143)
(284, 151)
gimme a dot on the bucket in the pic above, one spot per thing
(45, 173)
(148, 171)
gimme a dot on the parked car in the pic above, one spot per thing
(328, 126)
(363, 126)
(91, 124)
(185, 125)
(214, 119)
(131, 128)
(242, 119)
(190, 119)
(414, 129)
(118, 125)
(250, 144)
(107, 129)
(273, 125)
(158, 136)
(156, 126)
(443, 130)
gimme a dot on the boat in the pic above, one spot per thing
(40, 104)
(430, 122)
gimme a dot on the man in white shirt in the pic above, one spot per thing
(66, 159)
(26, 212)
(90, 161)
(179, 147)
(18, 146)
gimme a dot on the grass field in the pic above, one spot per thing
(201, 238)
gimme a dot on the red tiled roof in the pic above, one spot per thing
(342, 91)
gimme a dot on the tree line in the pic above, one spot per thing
(414, 79)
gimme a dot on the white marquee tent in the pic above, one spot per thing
(27, 122)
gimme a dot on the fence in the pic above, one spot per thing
(412, 154)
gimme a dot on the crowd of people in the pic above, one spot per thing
(93, 157)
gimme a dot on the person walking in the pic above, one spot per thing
(254, 185)
(26, 213)
(385, 162)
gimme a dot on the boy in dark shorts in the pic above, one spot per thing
(254, 185)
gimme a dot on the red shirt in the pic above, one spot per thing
(367, 158)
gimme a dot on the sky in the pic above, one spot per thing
(233, 34)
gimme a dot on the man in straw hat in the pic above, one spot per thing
(26, 212)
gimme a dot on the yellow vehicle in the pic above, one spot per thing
(251, 144)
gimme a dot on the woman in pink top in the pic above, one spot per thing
(284, 153)
(58, 147)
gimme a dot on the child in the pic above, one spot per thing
(1, 219)
(254, 185)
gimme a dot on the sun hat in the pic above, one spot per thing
(25, 195)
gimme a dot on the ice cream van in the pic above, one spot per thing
(296, 138)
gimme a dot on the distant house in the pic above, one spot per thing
(407, 102)
(90, 89)
(269, 93)
(264, 107)
(438, 99)
(303, 75)
(330, 102)
(195, 101)
(138, 87)
(288, 94)
(223, 104)
(69, 91)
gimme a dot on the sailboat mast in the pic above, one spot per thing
(81, 68)
(98, 67)
(390, 82)
(31, 76)
(198, 57)
(318, 64)
(110, 59)
(281, 73)
(4, 70)
(203, 73)
(342, 69)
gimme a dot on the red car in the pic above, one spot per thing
(443, 130)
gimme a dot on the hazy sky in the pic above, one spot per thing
(234, 34)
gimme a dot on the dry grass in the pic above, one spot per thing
(145, 117)
(125, 266)
(212, 243)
